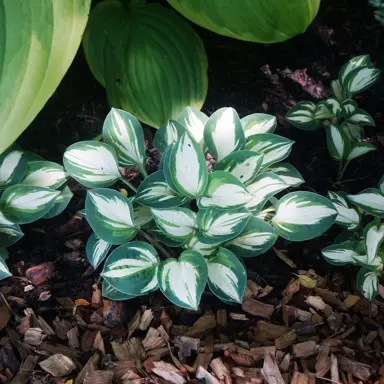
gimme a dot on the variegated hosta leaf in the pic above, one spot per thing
(353, 131)
(218, 225)
(275, 148)
(177, 223)
(357, 62)
(341, 254)
(302, 116)
(376, 264)
(4, 271)
(303, 216)
(13, 166)
(368, 283)
(244, 165)
(337, 143)
(224, 191)
(373, 238)
(183, 280)
(167, 134)
(154, 192)
(334, 106)
(112, 293)
(288, 173)
(194, 120)
(227, 277)
(110, 214)
(337, 90)
(381, 184)
(322, 112)
(360, 149)
(223, 133)
(132, 268)
(255, 239)
(92, 163)
(159, 235)
(360, 79)
(370, 200)
(10, 233)
(263, 188)
(258, 123)
(96, 250)
(186, 168)
(23, 204)
(125, 134)
(60, 204)
(340, 197)
(205, 249)
(361, 117)
(267, 213)
(347, 217)
(141, 215)
(45, 174)
(349, 107)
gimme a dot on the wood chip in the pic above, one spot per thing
(166, 322)
(300, 378)
(257, 308)
(99, 377)
(323, 364)
(73, 337)
(297, 313)
(121, 350)
(98, 344)
(168, 372)
(34, 336)
(26, 370)
(134, 323)
(268, 331)
(193, 343)
(40, 274)
(261, 351)
(146, 319)
(221, 318)
(350, 301)
(304, 350)
(238, 316)
(271, 372)
(87, 340)
(220, 370)
(88, 367)
(334, 369)
(61, 328)
(286, 340)
(203, 374)
(357, 369)
(58, 365)
(285, 362)
(316, 302)
(153, 339)
(202, 327)
(163, 333)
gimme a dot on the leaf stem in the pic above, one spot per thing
(342, 170)
(143, 171)
(126, 182)
(155, 243)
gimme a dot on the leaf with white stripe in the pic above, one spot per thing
(141, 215)
(302, 116)
(112, 293)
(342, 254)
(347, 217)
(368, 283)
(244, 165)
(154, 192)
(267, 213)
(110, 214)
(23, 204)
(258, 123)
(360, 149)
(370, 200)
(255, 239)
(337, 142)
(275, 148)
(337, 90)
(13, 166)
(162, 238)
(353, 131)
(132, 268)
(186, 167)
(360, 79)
(288, 173)
(223, 133)
(183, 280)
(177, 223)
(125, 134)
(376, 264)
(197, 244)
(373, 238)
(340, 197)
(61, 203)
(194, 120)
(224, 191)
(303, 216)
(322, 112)
(357, 62)
(262, 189)
(92, 163)
(9, 233)
(334, 106)
(218, 225)
(45, 174)
(349, 107)
(4, 271)
(96, 250)
(227, 277)
(167, 134)
(381, 184)
(361, 117)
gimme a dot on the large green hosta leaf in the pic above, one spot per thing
(38, 41)
(150, 60)
(263, 21)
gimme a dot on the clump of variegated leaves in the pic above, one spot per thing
(30, 189)
(340, 115)
(217, 218)
(359, 245)
(379, 12)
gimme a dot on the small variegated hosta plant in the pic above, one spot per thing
(363, 246)
(30, 189)
(340, 115)
(379, 12)
(211, 219)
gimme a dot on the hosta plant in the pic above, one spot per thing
(340, 115)
(363, 246)
(30, 189)
(379, 12)
(185, 226)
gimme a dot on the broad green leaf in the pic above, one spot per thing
(322, 112)
(224, 191)
(368, 283)
(255, 239)
(353, 131)
(223, 133)
(125, 134)
(258, 123)
(141, 215)
(347, 217)
(218, 225)
(370, 200)
(45, 174)
(361, 117)
(244, 165)
(381, 184)
(373, 238)
(110, 214)
(341, 254)
(266, 214)
(23, 204)
(132, 268)
(60, 204)
(194, 120)
(357, 62)
(177, 223)
(31, 157)
(359, 80)
(290, 175)
(337, 142)
(376, 264)
(10, 233)
(12, 168)
(113, 294)
(337, 90)
(4, 271)
(197, 244)
(186, 168)
(360, 149)
(303, 216)
(302, 116)
(96, 250)
(275, 148)
(334, 106)
(167, 134)
(159, 235)
(92, 164)
(262, 189)
(227, 276)
(349, 107)
(154, 192)
(183, 280)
